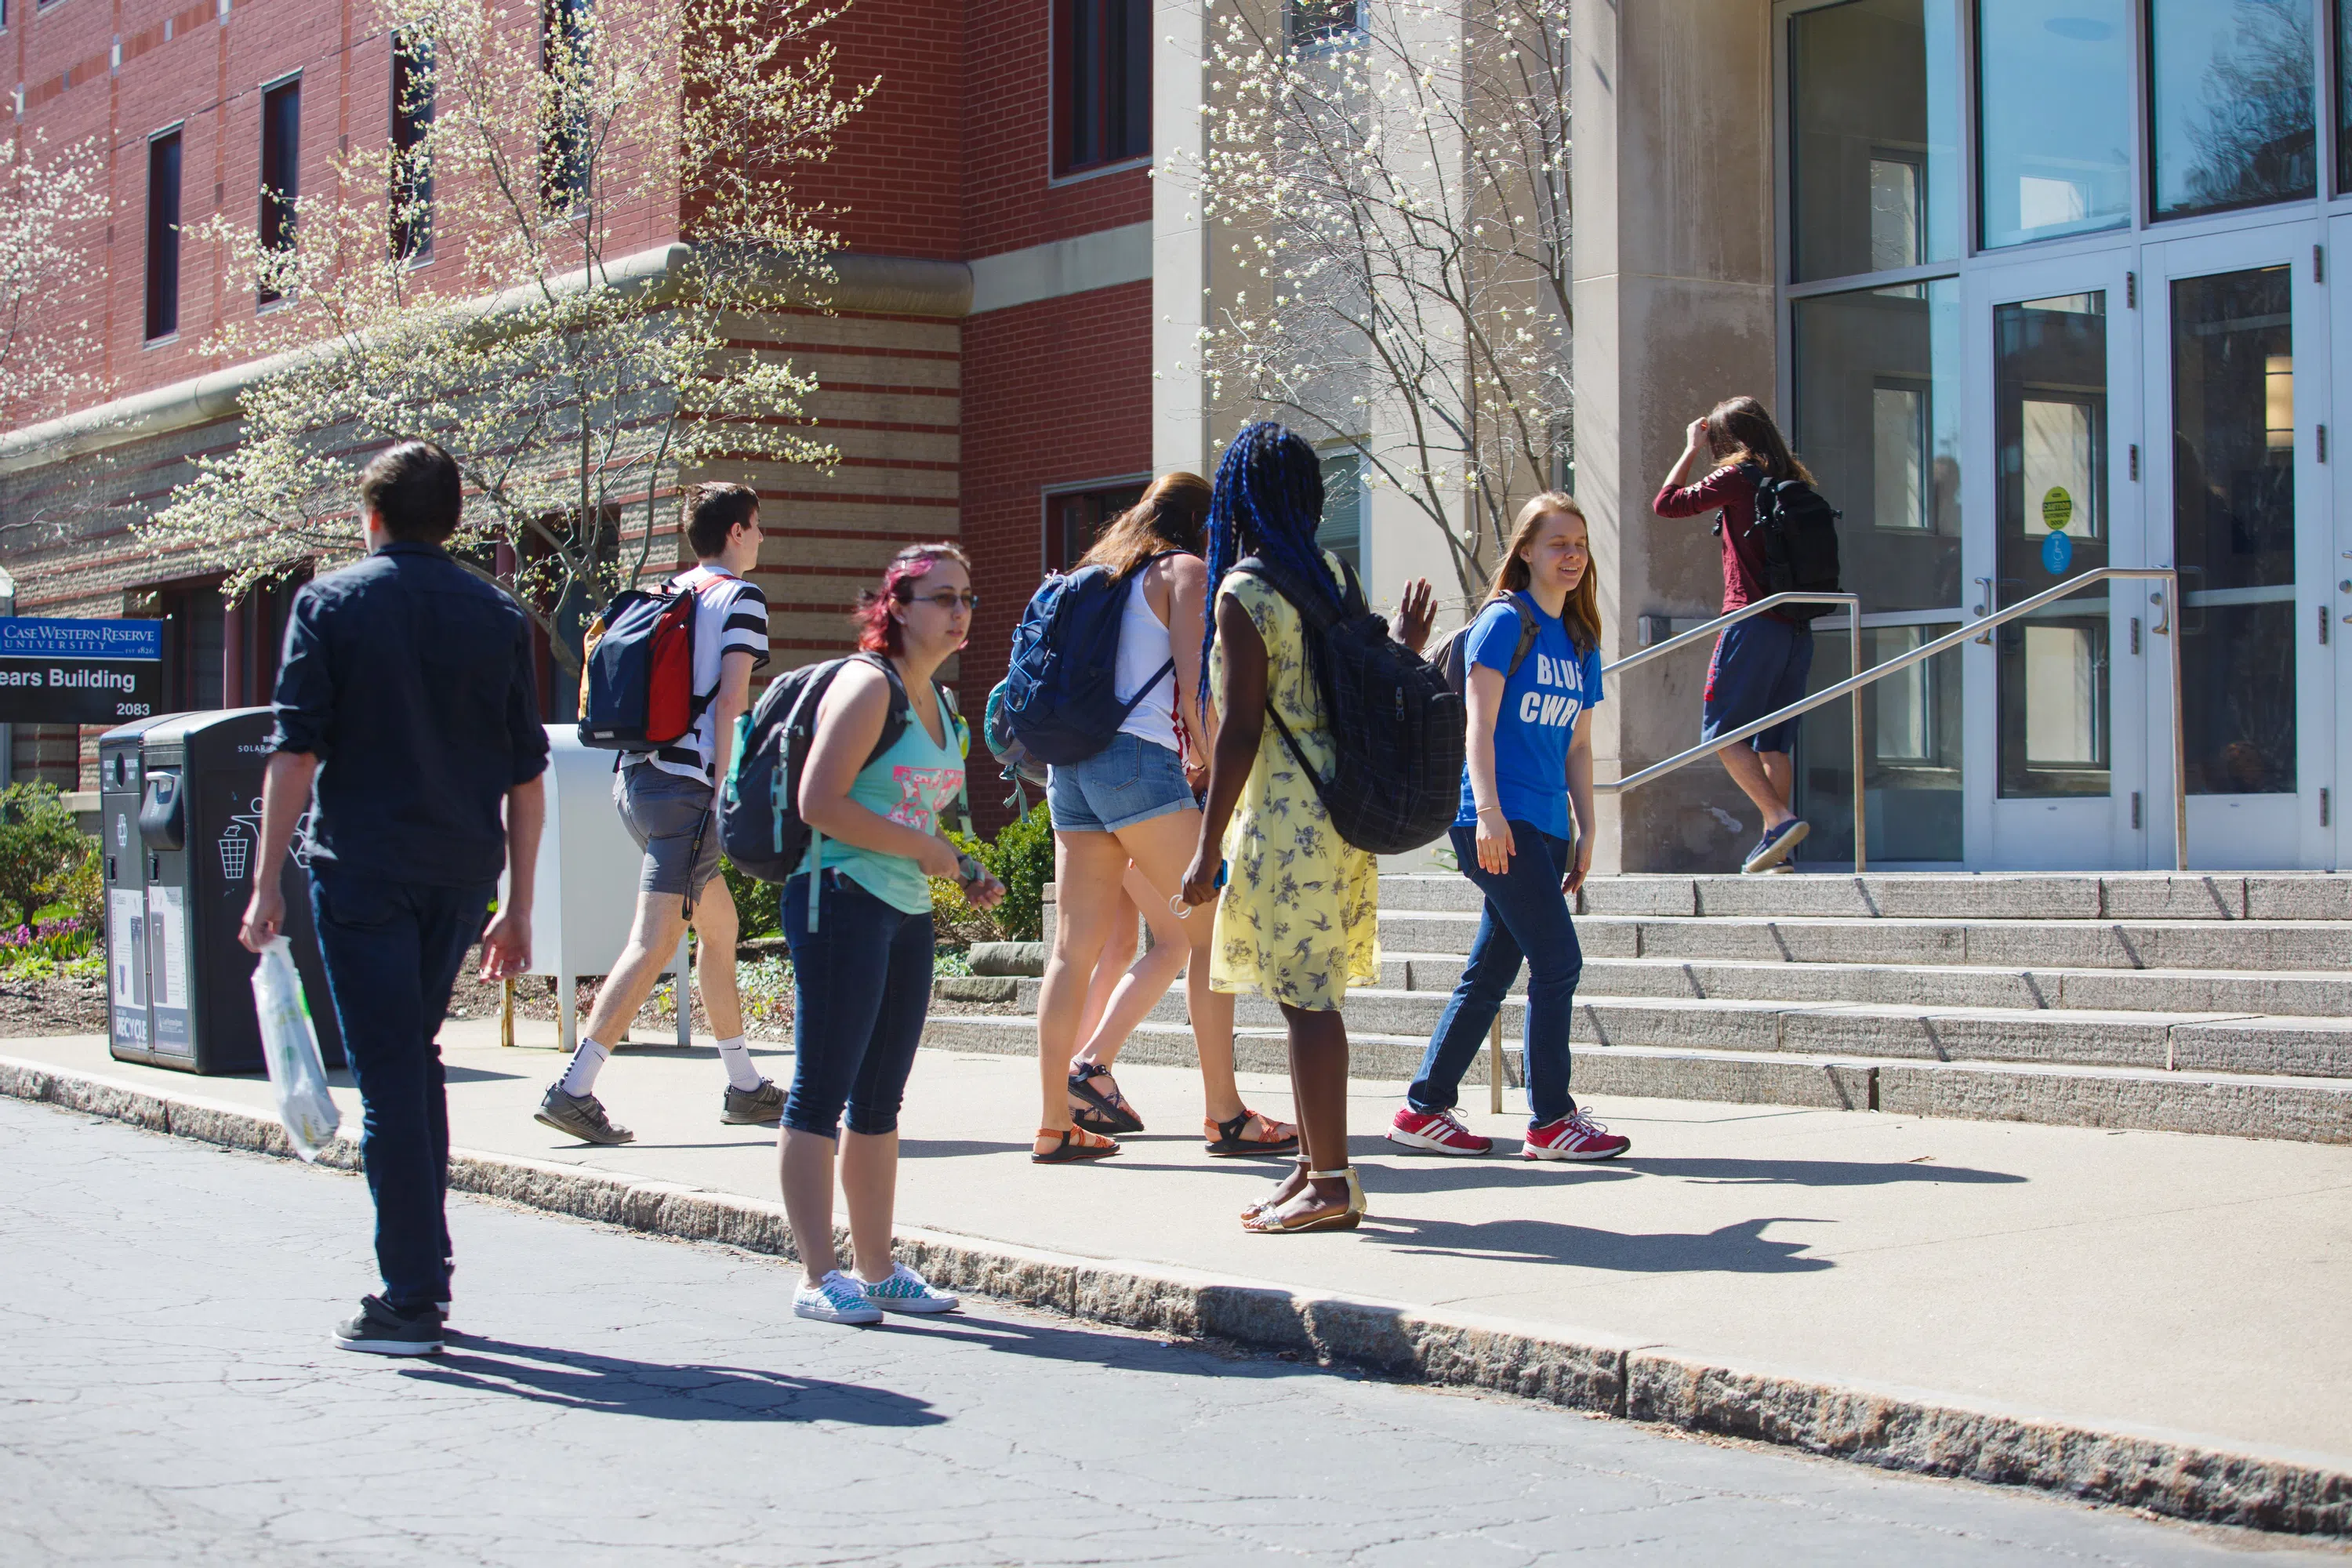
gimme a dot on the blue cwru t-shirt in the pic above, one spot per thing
(1554, 687)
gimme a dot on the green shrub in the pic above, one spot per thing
(756, 903)
(1021, 856)
(41, 848)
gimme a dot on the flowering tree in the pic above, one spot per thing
(1388, 183)
(482, 282)
(43, 203)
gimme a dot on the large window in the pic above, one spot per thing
(1875, 102)
(411, 177)
(163, 234)
(281, 161)
(1342, 530)
(2230, 87)
(2055, 116)
(1076, 518)
(1102, 83)
(566, 158)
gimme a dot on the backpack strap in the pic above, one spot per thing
(1316, 610)
(1529, 627)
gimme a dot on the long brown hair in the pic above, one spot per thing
(1167, 517)
(1740, 431)
(1582, 613)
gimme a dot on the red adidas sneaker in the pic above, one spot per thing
(1575, 1136)
(1437, 1131)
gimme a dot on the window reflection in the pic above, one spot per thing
(1876, 107)
(2050, 424)
(2231, 103)
(2054, 106)
(2233, 528)
(1878, 421)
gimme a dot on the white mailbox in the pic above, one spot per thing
(587, 897)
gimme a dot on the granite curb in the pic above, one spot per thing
(1897, 1429)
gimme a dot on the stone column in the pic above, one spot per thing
(1674, 299)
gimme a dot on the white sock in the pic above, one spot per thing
(587, 1061)
(741, 1073)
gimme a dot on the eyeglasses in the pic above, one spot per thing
(946, 602)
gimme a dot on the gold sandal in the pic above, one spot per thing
(1264, 1222)
(1252, 1210)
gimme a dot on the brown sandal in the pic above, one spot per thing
(1076, 1144)
(1225, 1138)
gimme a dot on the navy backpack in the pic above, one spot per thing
(1059, 699)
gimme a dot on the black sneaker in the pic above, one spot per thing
(761, 1107)
(380, 1330)
(581, 1116)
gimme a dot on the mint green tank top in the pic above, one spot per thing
(911, 783)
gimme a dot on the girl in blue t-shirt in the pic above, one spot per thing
(1532, 669)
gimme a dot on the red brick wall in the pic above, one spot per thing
(1010, 200)
(1055, 393)
(898, 164)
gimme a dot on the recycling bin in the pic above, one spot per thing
(180, 813)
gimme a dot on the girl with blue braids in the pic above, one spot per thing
(1299, 918)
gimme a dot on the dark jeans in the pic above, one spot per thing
(1525, 915)
(861, 988)
(392, 951)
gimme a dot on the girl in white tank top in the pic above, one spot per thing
(1144, 649)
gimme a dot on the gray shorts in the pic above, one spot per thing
(662, 810)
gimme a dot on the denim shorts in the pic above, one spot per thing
(1129, 781)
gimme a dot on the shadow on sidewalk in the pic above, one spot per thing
(1741, 1247)
(1438, 1173)
(580, 1380)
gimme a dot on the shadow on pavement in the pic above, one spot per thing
(1818, 1173)
(1741, 1247)
(580, 1380)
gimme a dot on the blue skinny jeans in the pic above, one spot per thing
(1525, 918)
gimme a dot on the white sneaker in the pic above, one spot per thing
(836, 1298)
(908, 1292)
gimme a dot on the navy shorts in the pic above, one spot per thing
(1759, 666)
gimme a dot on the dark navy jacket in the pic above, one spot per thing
(411, 681)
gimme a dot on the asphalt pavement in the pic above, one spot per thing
(172, 1397)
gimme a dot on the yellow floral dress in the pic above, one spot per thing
(1299, 921)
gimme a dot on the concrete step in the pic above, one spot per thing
(2319, 994)
(2306, 1110)
(2202, 1042)
(2291, 945)
(2140, 895)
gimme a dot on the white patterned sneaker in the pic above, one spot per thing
(836, 1298)
(908, 1292)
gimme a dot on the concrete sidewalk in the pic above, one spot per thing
(2195, 1288)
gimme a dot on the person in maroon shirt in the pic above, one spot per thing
(1760, 664)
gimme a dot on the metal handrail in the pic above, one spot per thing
(1862, 677)
(1852, 602)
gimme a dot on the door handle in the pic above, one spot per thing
(1984, 602)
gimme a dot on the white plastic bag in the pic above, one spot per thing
(289, 1048)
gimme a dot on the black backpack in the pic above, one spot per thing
(760, 824)
(1395, 724)
(1452, 655)
(1801, 542)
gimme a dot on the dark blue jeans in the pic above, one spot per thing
(392, 951)
(1526, 916)
(861, 989)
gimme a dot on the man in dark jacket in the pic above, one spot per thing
(408, 725)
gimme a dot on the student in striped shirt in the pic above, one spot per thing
(666, 797)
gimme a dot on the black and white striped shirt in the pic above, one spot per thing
(732, 617)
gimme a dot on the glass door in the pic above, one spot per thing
(2054, 699)
(2236, 357)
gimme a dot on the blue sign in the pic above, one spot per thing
(2057, 553)
(22, 636)
(79, 672)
